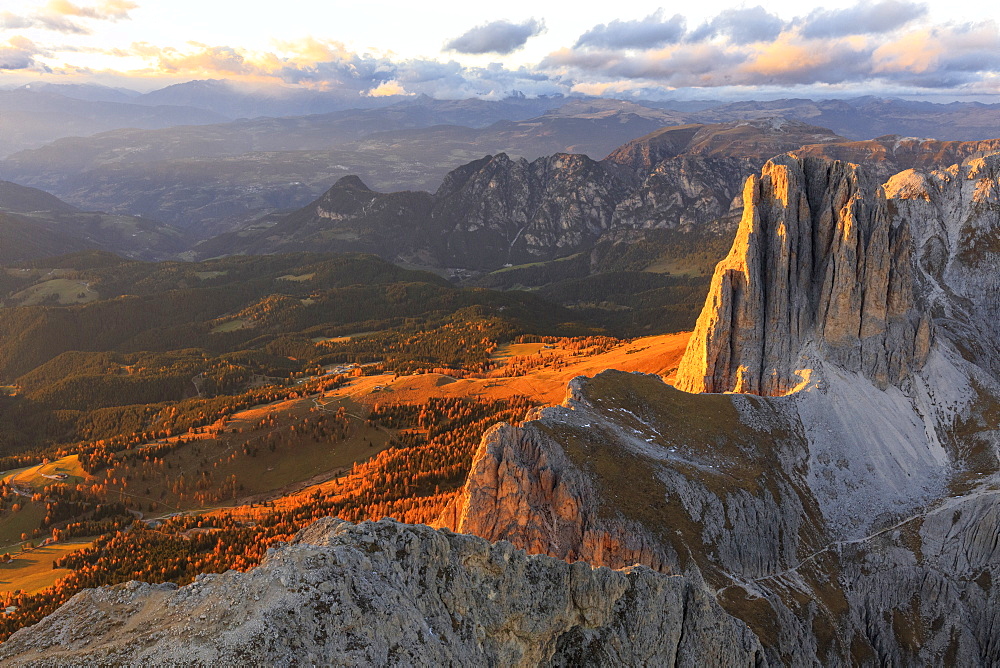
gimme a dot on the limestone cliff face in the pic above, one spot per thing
(890, 154)
(586, 480)
(508, 210)
(388, 594)
(818, 268)
(525, 491)
(686, 192)
(501, 210)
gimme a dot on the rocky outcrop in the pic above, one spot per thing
(730, 489)
(389, 594)
(685, 193)
(606, 476)
(524, 490)
(819, 268)
(890, 154)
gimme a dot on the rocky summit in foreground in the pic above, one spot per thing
(390, 594)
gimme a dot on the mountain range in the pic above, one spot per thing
(500, 211)
(219, 176)
(818, 486)
(36, 224)
(727, 395)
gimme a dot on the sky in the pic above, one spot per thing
(625, 49)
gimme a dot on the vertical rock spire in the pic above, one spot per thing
(818, 268)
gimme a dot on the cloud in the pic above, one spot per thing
(864, 48)
(941, 57)
(330, 66)
(678, 66)
(387, 88)
(59, 15)
(790, 61)
(935, 58)
(746, 25)
(44, 21)
(501, 37)
(647, 33)
(11, 21)
(18, 53)
(741, 26)
(208, 59)
(862, 19)
(107, 10)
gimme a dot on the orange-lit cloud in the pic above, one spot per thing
(388, 88)
(107, 10)
(784, 56)
(310, 51)
(913, 52)
(210, 60)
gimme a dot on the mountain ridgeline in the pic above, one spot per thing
(209, 177)
(36, 224)
(500, 211)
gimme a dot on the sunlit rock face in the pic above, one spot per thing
(819, 267)
(848, 513)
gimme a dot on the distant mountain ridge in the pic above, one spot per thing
(31, 119)
(221, 176)
(501, 211)
(36, 224)
(497, 210)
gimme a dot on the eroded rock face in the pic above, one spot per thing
(389, 594)
(602, 477)
(500, 210)
(685, 192)
(818, 263)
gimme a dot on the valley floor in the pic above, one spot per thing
(384, 444)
